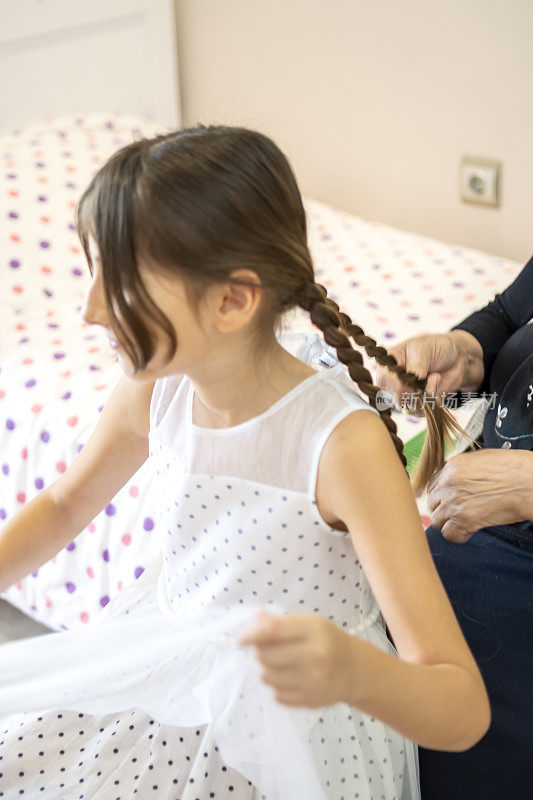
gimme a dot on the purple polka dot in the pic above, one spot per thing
(458, 284)
(436, 300)
(104, 600)
(10, 425)
(59, 355)
(110, 510)
(389, 335)
(15, 263)
(71, 546)
(71, 226)
(138, 571)
(148, 524)
(42, 198)
(66, 395)
(354, 283)
(13, 215)
(30, 383)
(71, 587)
(53, 325)
(79, 448)
(105, 555)
(39, 483)
(45, 436)
(413, 316)
(35, 575)
(44, 244)
(5, 469)
(48, 293)
(3, 513)
(77, 271)
(376, 266)
(40, 164)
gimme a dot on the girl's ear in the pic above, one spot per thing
(236, 303)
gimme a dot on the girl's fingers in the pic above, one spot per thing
(286, 679)
(281, 655)
(291, 627)
(290, 697)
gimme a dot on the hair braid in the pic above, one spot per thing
(335, 324)
(324, 314)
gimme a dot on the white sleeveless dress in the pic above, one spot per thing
(155, 698)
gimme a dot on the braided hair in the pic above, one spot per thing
(337, 327)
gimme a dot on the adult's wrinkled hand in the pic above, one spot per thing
(481, 488)
(433, 356)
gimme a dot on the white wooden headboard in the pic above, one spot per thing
(60, 57)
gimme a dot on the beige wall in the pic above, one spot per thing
(376, 102)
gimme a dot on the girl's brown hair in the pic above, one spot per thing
(200, 203)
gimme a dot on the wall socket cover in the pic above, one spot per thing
(479, 181)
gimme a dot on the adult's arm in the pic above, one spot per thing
(499, 319)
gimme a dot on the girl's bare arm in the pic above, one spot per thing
(433, 693)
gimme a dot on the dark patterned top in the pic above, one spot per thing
(503, 330)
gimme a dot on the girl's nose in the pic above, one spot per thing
(93, 310)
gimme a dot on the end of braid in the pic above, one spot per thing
(441, 424)
(337, 327)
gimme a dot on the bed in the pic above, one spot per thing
(56, 372)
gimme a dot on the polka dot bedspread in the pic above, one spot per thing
(56, 372)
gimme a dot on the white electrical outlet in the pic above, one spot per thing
(479, 181)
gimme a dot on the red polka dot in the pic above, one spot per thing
(84, 617)
(37, 409)
(134, 491)
(91, 527)
(21, 497)
(2, 394)
(127, 539)
(18, 289)
(90, 572)
(426, 521)
(47, 602)
(61, 466)
(24, 453)
(26, 361)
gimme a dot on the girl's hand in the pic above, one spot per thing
(478, 489)
(308, 660)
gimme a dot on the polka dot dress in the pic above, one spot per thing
(240, 527)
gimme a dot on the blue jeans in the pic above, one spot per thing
(489, 581)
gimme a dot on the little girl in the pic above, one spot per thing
(271, 492)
